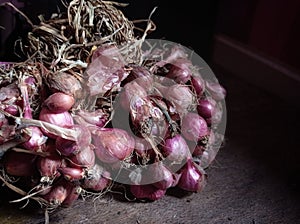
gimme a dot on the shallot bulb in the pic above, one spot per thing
(217, 115)
(198, 85)
(194, 127)
(180, 96)
(60, 119)
(85, 158)
(19, 164)
(206, 108)
(98, 179)
(73, 193)
(68, 147)
(72, 174)
(180, 70)
(149, 192)
(193, 177)
(176, 149)
(37, 139)
(59, 102)
(11, 109)
(112, 144)
(48, 167)
(58, 194)
(63, 119)
(162, 176)
(144, 150)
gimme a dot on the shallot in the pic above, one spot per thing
(112, 145)
(193, 177)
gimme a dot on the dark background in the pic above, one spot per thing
(255, 176)
(182, 23)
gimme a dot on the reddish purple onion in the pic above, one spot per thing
(72, 174)
(162, 176)
(85, 158)
(175, 149)
(180, 70)
(58, 194)
(60, 119)
(149, 192)
(59, 102)
(12, 109)
(193, 177)
(143, 148)
(206, 108)
(37, 139)
(48, 166)
(198, 85)
(73, 193)
(179, 95)
(217, 115)
(68, 147)
(194, 127)
(112, 144)
(98, 179)
(106, 71)
(19, 164)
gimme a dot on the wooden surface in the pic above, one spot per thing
(252, 181)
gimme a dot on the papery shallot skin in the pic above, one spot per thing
(106, 71)
(97, 117)
(69, 147)
(65, 83)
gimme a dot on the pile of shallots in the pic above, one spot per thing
(147, 125)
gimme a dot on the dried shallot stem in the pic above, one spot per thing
(65, 133)
(11, 143)
(28, 196)
(22, 193)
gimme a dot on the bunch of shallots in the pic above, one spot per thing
(71, 127)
